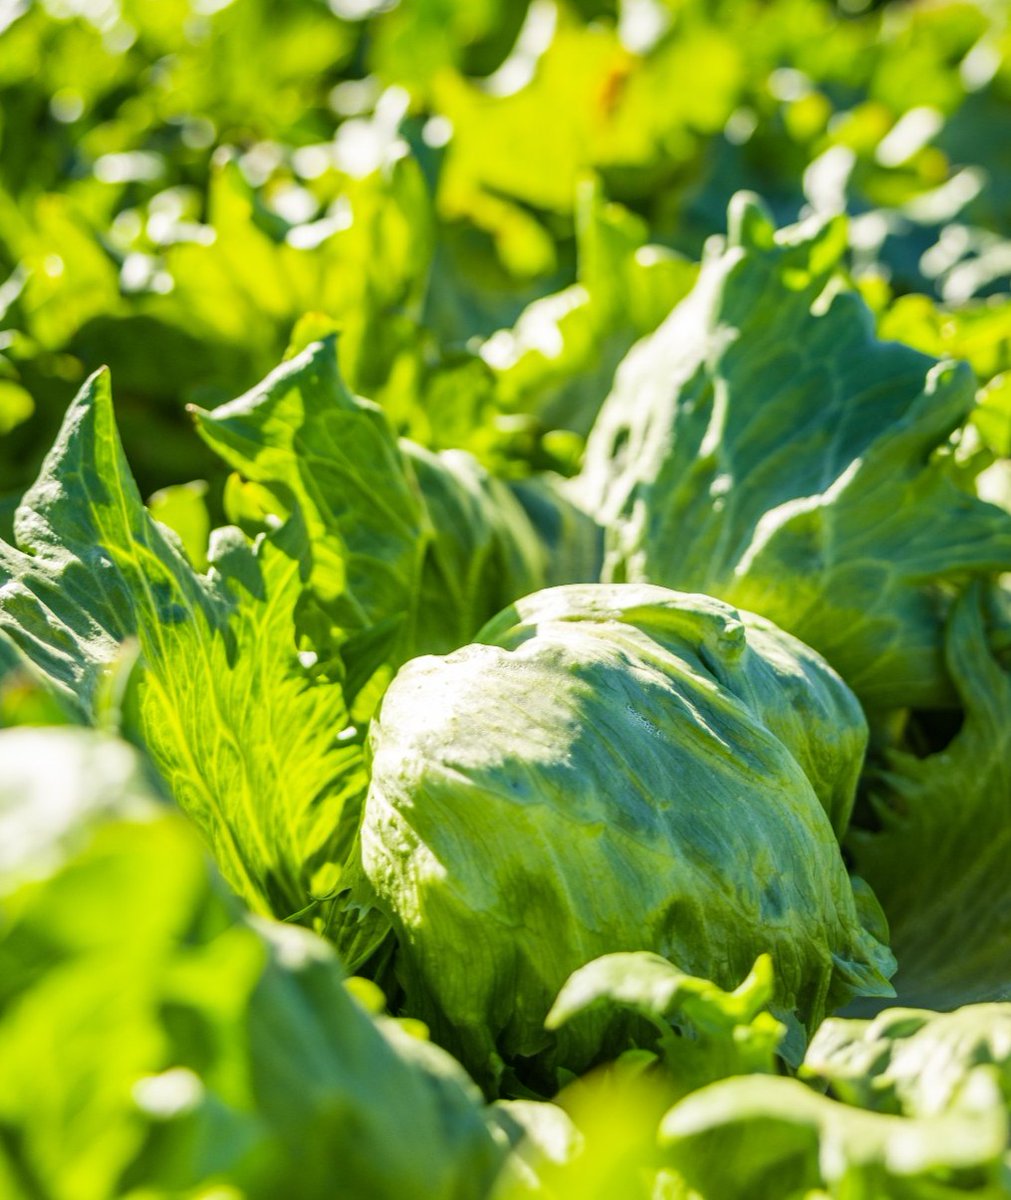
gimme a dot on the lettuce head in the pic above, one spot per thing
(615, 768)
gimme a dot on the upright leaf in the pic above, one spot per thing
(937, 833)
(418, 547)
(764, 447)
(246, 740)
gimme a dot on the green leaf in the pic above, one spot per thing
(156, 1041)
(764, 447)
(614, 768)
(245, 739)
(934, 841)
(911, 1061)
(706, 1032)
(304, 436)
(417, 548)
(759, 1138)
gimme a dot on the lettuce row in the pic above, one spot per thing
(251, 686)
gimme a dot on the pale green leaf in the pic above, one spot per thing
(760, 1138)
(246, 740)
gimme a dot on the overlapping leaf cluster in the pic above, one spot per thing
(599, 655)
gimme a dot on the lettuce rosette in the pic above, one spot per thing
(615, 768)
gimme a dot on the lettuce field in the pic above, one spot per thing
(505, 600)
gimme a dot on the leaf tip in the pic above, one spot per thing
(749, 222)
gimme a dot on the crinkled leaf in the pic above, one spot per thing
(706, 1032)
(245, 740)
(936, 841)
(614, 768)
(764, 447)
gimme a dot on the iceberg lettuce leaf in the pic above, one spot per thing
(765, 447)
(246, 740)
(935, 839)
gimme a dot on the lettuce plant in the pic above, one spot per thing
(764, 446)
(589, 777)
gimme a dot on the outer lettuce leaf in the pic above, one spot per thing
(572, 539)
(615, 768)
(764, 447)
(424, 547)
(483, 552)
(154, 1041)
(912, 1061)
(757, 1138)
(936, 851)
(245, 739)
(304, 436)
(705, 1033)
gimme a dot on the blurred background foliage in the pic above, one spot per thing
(489, 199)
